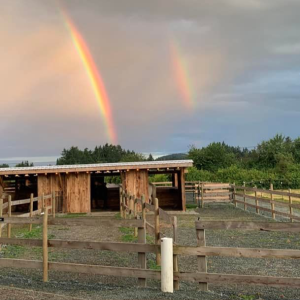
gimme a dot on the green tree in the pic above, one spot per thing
(24, 164)
(4, 166)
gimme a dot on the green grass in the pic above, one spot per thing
(118, 216)
(191, 206)
(153, 266)
(73, 215)
(13, 251)
(127, 235)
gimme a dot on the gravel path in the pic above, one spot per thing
(81, 286)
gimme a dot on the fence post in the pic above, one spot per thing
(53, 204)
(157, 233)
(290, 204)
(175, 257)
(9, 215)
(167, 265)
(142, 240)
(272, 203)
(1, 214)
(31, 210)
(244, 195)
(135, 215)
(202, 196)
(256, 203)
(202, 262)
(234, 197)
(43, 202)
(45, 246)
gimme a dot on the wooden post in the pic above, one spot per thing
(45, 246)
(256, 203)
(202, 196)
(290, 204)
(53, 205)
(9, 215)
(43, 202)
(142, 240)
(31, 210)
(121, 202)
(202, 262)
(157, 230)
(244, 195)
(233, 196)
(175, 257)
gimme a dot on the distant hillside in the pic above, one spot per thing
(175, 156)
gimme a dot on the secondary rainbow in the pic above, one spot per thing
(94, 76)
(181, 74)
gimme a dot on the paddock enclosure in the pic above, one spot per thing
(84, 188)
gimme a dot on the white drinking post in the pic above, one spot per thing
(167, 265)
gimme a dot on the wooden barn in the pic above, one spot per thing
(84, 188)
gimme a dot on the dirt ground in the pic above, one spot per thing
(27, 284)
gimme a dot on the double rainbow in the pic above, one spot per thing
(94, 76)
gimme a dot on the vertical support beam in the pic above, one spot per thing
(142, 240)
(124, 205)
(53, 204)
(175, 257)
(182, 189)
(175, 180)
(121, 201)
(31, 210)
(45, 246)
(167, 265)
(157, 230)
(9, 215)
(291, 208)
(135, 216)
(202, 262)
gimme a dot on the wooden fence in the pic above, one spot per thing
(202, 276)
(242, 193)
(47, 202)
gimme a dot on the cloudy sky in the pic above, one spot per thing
(177, 73)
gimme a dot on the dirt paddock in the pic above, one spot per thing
(27, 284)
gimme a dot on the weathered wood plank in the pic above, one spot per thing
(104, 270)
(240, 279)
(238, 252)
(92, 221)
(21, 264)
(18, 220)
(19, 202)
(263, 226)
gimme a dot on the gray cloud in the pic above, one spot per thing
(242, 60)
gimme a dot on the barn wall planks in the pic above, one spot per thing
(169, 197)
(136, 183)
(78, 193)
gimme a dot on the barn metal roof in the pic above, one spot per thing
(98, 167)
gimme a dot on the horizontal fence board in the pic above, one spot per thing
(237, 252)
(280, 213)
(93, 221)
(19, 202)
(239, 279)
(263, 226)
(20, 264)
(165, 216)
(216, 186)
(21, 242)
(274, 192)
(104, 270)
(18, 220)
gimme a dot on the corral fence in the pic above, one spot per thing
(202, 276)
